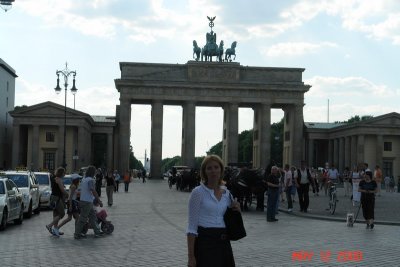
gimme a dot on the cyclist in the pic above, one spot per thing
(333, 179)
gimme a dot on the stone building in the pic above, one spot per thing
(38, 140)
(375, 141)
(7, 101)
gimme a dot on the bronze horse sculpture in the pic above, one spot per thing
(230, 51)
(196, 50)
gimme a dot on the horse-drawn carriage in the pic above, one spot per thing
(246, 185)
(183, 177)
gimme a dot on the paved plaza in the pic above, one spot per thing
(150, 223)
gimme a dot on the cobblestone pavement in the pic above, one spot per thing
(150, 223)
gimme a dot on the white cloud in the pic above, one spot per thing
(295, 48)
(347, 87)
(347, 96)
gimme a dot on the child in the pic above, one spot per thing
(72, 204)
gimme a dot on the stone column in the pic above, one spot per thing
(230, 138)
(330, 152)
(156, 139)
(379, 151)
(353, 154)
(124, 134)
(110, 151)
(360, 149)
(16, 154)
(341, 154)
(188, 133)
(347, 152)
(35, 147)
(311, 153)
(297, 134)
(262, 136)
(336, 152)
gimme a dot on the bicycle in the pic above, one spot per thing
(332, 198)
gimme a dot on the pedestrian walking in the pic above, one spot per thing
(99, 180)
(273, 193)
(144, 175)
(88, 195)
(127, 180)
(207, 240)
(347, 181)
(110, 186)
(72, 204)
(368, 188)
(57, 200)
(288, 187)
(117, 179)
(303, 186)
(378, 179)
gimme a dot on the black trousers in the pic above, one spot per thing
(289, 197)
(304, 199)
(368, 206)
(212, 248)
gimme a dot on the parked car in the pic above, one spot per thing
(11, 203)
(28, 185)
(43, 179)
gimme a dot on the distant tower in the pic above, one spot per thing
(146, 164)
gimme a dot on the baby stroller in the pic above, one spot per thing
(105, 226)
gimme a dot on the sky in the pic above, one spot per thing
(350, 50)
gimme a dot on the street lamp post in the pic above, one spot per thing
(6, 4)
(65, 74)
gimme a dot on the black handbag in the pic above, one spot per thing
(234, 224)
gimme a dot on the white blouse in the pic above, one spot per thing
(205, 210)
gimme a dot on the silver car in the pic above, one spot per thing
(27, 184)
(11, 204)
(43, 179)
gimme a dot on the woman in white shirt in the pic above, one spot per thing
(208, 243)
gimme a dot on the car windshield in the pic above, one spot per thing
(43, 179)
(19, 179)
(2, 189)
(67, 180)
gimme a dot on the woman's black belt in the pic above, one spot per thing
(212, 233)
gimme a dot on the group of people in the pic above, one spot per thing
(80, 208)
(365, 184)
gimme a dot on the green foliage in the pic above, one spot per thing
(277, 143)
(245, 150)
(167, 163)
(357, 118)
(134, 163)
(216, 149)
(19, 107)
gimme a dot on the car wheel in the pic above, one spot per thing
(29, 213)
(21, 216)
(3, 223)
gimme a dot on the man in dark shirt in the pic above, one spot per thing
(273, 191)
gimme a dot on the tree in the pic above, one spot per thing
(357, 118)
(134, 163)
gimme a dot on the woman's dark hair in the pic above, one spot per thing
(60, 172)
(91, 170)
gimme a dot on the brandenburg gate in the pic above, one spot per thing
(228, 85)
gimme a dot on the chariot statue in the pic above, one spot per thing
(211, 49)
